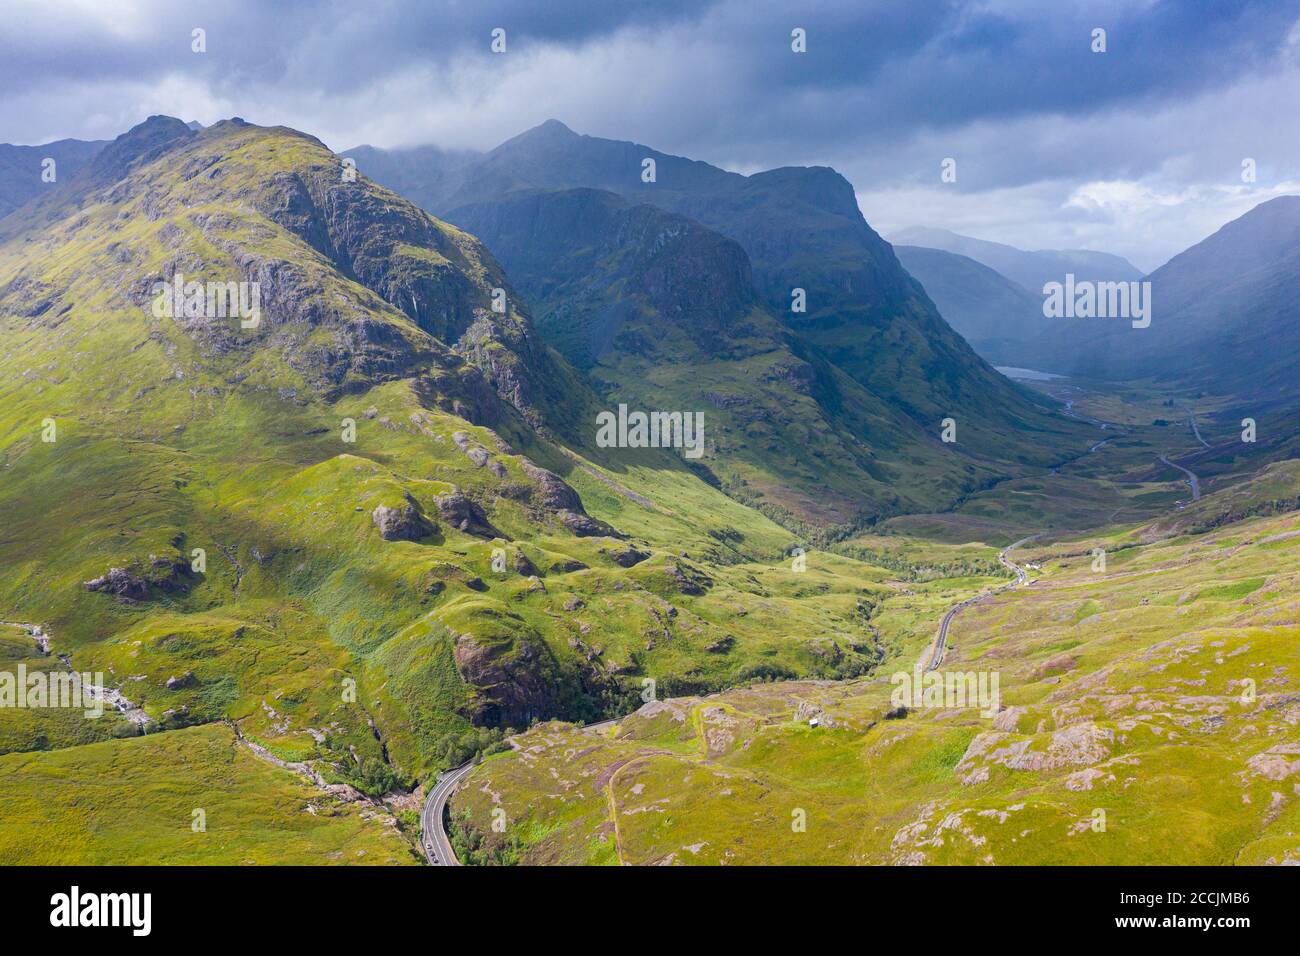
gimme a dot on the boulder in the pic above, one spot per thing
(121, 583)
(404, 523)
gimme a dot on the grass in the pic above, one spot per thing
(1123, 704)
(134, 801)
(212, 465)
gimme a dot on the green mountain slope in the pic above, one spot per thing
(663, 314)
(801, 229)
(1147, 714)
(356, 531)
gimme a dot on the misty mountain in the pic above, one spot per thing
(1029, 269)
(999, 318)
(1224, 310)
(21, 168)
(662, 313)
(801, 229)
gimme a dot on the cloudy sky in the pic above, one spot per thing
(1137, 150)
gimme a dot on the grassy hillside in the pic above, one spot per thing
(358, 533)
(133, 802)
(1148, 716)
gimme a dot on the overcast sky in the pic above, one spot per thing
(1137, 150)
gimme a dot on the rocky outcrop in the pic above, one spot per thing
(121, 583)
(403, 523)
(511, 679)
(184, 680)
(584, 526)
(628, 557)
(553, 492)
(139, 581)
(688, 579)
(460, 511)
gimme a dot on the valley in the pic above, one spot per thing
(379, 590)
(1149, 713)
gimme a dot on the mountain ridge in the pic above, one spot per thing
(802, 229)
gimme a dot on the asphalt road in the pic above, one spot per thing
(1191, 478)
(433, 838)
(941, 641)
(437, 847)
(1191, 417)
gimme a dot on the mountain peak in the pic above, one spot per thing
(552, 131)
(143, 141)
(553, 126)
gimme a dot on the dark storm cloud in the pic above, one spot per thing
(1054, 143)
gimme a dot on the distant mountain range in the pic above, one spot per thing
(1000, 318)
(1221, 310)
(22, 168)
(1029, 269)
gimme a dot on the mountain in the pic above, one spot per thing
(23, 168)
(1030, 269)
(1221, 317)
(662, 313)
(357, 526)
(801, 229)
(1000, 318)
(1224, 310)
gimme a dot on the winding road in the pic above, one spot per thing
(1192, 480)
(437, 846)
(434, 839)
(1022, 576)
(1191, 418)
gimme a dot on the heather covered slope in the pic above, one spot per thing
(392, 568)
(801, 229)
(1148, 715)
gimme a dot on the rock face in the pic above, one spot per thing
(121, 583)
(553, 492)
(404, 523)
(689, 579)
(512, 678)
(184, 680)
(584, 526)
(460, 511)
(142, 579)
(628, 557)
